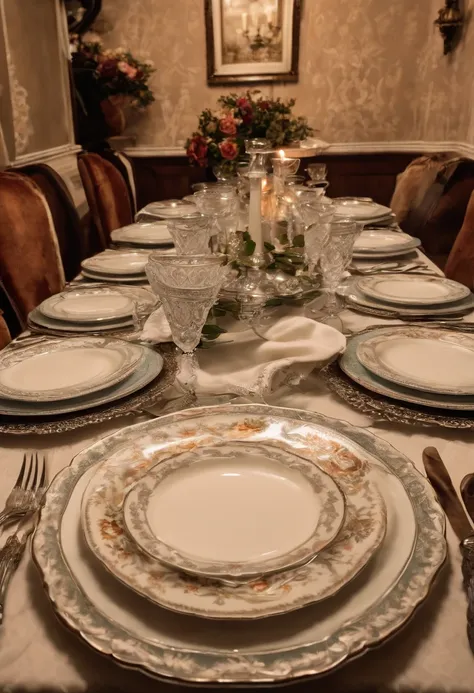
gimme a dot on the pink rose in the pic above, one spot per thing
(245, 108)
(197, 150)
(127, 69)
(227, 125)
(228, 149)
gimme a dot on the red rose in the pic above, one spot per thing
(197, 150)
(243, 102)
(245, 108)
(108, 68)
(228, 149)
(227, 125)
(264, 105)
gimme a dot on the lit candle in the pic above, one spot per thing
(245, 21)
(255, 213)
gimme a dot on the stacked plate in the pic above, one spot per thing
(374, 244)
(166, 209)
(143, 235)
(406, 295)
(305, 530)
(364, 210)
(116, 266)
(93, 308)
(51, 376)
(427, 366)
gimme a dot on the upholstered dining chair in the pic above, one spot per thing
(107, 195)
(30, 261)
(5, 337)
(72, 236)
(460, 263)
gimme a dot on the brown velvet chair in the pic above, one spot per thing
(107, 195)
(30, 261)
(72, 239)
(5, 337)
(460, 263)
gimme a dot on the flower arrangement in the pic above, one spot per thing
(220, 137)
(119, 75)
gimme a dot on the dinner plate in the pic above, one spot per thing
(412, 290)
(352, 367)
(361, 210)
(361, 533)
(355, 298)
(86, 306)
(185, 509)
(115, 278)
(382, 255)
(37, 319)
(380, 240)
(116, 262)
(166, 209)
(422, 358)
(58, 369)
(132, 632)
(145, 234)
(147, 370)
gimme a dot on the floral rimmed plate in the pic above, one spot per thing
(361, 533)
(414, 290)
(132, 632)
(422, 358)
(117, 262)
(234, 511)
(57, 369)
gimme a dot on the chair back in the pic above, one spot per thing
(70, 234)
(31, 269)
(460, 263)
(107, 195)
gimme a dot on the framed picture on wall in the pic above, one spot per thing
(252, 40)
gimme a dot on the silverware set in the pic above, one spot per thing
(21, 506)
(415, 267)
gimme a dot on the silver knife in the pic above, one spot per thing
(459, 521)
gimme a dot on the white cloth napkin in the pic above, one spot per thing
(243, 363)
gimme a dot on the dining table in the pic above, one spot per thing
(430, 653)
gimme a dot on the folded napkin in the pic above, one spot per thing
(244, 364)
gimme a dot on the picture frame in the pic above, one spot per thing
(252, 41)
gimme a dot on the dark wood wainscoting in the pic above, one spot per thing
(366, 175)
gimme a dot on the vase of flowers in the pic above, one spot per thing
(220, 138)
(120, 79)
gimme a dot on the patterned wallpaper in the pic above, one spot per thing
(370, 70)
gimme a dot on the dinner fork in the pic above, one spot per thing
(25, 497)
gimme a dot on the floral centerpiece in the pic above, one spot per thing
(122, 79)
(221, 133)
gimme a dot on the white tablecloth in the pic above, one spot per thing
(430, 654)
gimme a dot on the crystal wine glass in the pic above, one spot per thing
(335, 258)
(317, 172)
(188, 287)
(316, 218)
(221, 205)
(191, 236)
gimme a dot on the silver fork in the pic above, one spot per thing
(24, 493)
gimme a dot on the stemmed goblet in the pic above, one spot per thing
(188, 287)
(221, 206)
(191, 235)
(316, 218)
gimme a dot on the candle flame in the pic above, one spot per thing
(281, 154)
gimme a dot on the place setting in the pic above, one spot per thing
(133, 545)
(116, 266)
(146, 235)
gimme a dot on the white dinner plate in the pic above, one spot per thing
(380, 240)
(153, 234)
(423, 358)
(185, 509)
(117, 262)
(115, 278)
(353, 368)
(137, 634)
(87, 306)
(413, 290)
(36, 318)
(147, 370)
(57, 369)
(383, 255)
(166, 209)
(361, 210)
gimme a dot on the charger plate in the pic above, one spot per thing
(361, 533)
(62, 327)
(421, 358)
(137, 634)
(185, 509)
(56, 369)
(416, 290)
(115, 278)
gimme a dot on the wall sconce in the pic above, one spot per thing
(450, 21)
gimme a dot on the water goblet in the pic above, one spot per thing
(188, 287)
(335, 257)
(316, 219)
(221, 206)
(191, 235)
(317, 172)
